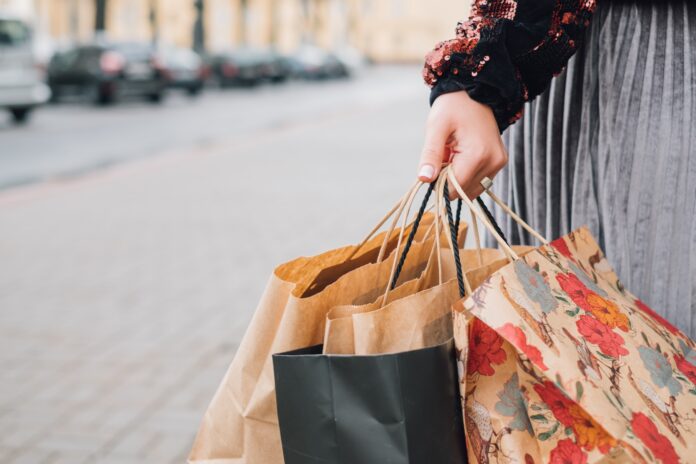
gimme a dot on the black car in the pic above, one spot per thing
(186, 69)
(244, 66)
(108, 72)
(310, 62)
(278, 69)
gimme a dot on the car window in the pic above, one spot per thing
(13, 33)
(64, 59)
(134, 51)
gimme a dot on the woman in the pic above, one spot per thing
(607, 143)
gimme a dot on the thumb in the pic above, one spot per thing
(433, 153)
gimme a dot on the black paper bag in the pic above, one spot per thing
(401, 408)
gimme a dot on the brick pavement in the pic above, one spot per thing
(124, 294)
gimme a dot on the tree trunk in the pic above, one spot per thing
(199, 27)
(243, 18)
(100, 16)
(153, 17)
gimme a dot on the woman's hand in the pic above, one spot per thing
(465, 133)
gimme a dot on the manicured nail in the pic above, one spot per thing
(426, 172)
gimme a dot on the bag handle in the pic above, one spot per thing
(447, 172)
(464, 285)
(510, 212)
(481, 213)
(489, 220)
(440, 187)
(411, 236)
(398, 208)
(477, 238)
(410, 196)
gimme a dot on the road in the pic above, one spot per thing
(71, 138)
(125, 290)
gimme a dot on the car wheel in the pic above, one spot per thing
(55, 95)
(20, 115)
(104, 94)
(155, 97)
(194, 90)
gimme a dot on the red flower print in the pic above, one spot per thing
(567, 452)
(557, 402)
(604, 310)
(659, 319)
(658, 444)
(485, 349)
(685, 367)
(575, 289)
(588, 432)
(562, 247)
(597, 333)
(519, 340)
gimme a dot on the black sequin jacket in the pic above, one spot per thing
(507, 52)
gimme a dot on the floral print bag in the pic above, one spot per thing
(559, 363)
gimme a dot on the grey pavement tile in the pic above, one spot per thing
(125, 295)
(30, 456)
(83, 441)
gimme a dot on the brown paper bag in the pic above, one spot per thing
(416, 315)
(241, 425)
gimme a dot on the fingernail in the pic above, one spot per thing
(426, 172)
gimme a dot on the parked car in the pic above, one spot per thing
(22, 86)
(310, 62)
(353, 60)
(106, 72)
(247, 66)
(187, 69)
(276, 67)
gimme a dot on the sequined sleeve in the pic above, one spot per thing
(507, 52)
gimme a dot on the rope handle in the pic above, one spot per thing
(398, 207)
(406, 203)
(464, 286)
(412, 235)
(510, 213)
(454, 233)
(512, 256)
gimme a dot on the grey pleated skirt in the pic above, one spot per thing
(611, 145)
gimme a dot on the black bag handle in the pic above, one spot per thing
(454, 232)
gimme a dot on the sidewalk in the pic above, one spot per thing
(124, 294)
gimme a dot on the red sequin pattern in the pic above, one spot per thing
(485, 17)
(484, 13)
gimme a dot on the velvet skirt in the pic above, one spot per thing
(610, 145)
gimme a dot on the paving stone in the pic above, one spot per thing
(124, 294)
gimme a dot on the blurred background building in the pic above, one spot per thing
(383, 30)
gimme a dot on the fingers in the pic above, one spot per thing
(472, 164)
(466, 170)
(434, 151)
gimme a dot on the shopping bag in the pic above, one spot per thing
(560, 363)
(399, 408)
(408, 409)
(241, 424)
(418, 316)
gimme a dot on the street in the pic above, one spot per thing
(135, 242)
(68, 139)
